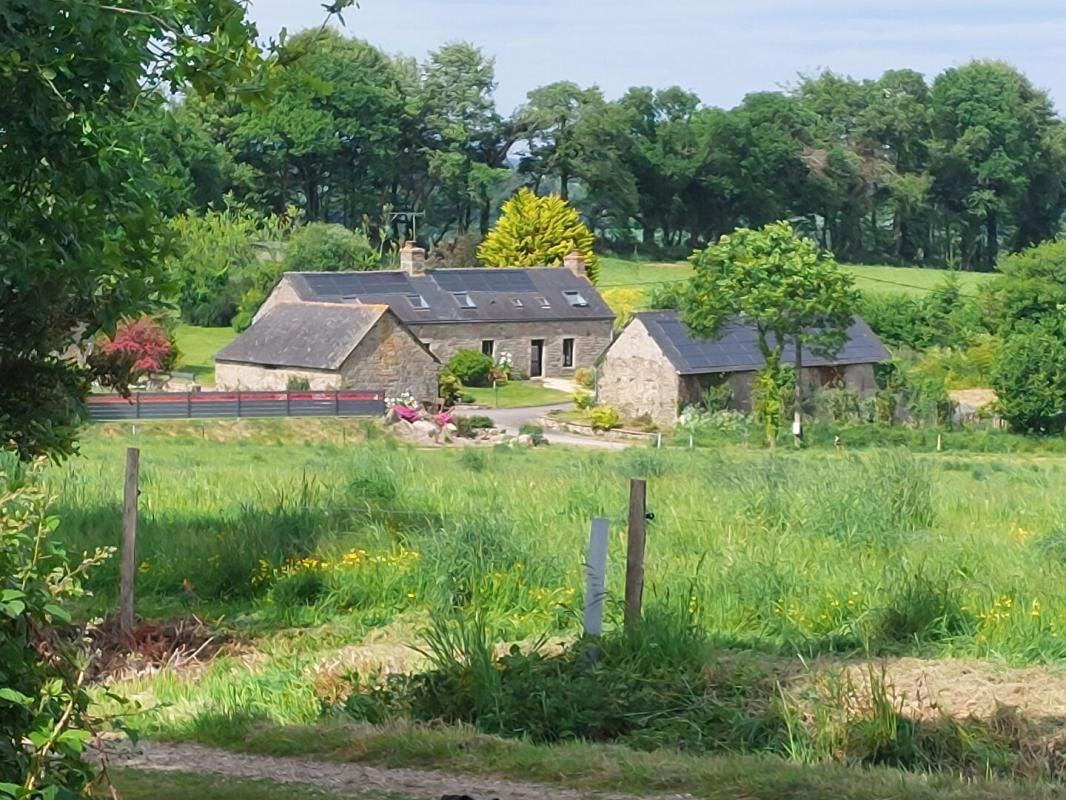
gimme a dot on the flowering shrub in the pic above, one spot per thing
(404, 400)
(501, 370)
(140, 346)
(603, 418)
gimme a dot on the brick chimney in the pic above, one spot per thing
(575, 262)
(412, 259)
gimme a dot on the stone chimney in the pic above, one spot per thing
(575, 262)
(412, 259)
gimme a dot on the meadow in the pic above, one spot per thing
(358, 578)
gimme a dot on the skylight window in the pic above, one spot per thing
(576, 299)
(516, 302)
(417, 301)
(464, 300)
(544, 302)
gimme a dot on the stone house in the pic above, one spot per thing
(657, 366)
(551, 320)
(331, 346)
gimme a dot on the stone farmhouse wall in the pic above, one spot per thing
(388, 358)
(591, 338)
(636, 378)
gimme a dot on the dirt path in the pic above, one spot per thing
(353, 779)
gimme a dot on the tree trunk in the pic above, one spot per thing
(992, 236)
(564, 185)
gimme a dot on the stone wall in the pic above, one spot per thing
(391, 358)
(591, 338)
(230, 376)
(636, 378)
(282, 293)
(857, 377)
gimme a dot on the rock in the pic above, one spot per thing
(525, 440)
(390, 416)
(426, 429)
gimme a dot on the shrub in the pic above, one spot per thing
(1029, 378)
(535, 431)
(840, 404)
(326, 247)
(471, 367)
(467, 426)
(584, 378)
(584, 400)
(450, 389)
(666, 295)
(624, 303)
(298, 385)
(604, 418)
(140, 346)
(716, 398)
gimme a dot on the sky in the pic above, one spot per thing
(719, 49)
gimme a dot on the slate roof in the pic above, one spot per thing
(497, 295)
(737, 350)
(309, 335)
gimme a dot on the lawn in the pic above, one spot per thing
(197, 347)
(517, 394)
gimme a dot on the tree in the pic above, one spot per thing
(80, 227)
(1032, 288)
(793, 294)
(537, 231)
(1029, 378)
(322, 247)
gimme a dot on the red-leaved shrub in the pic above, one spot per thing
(143, 344)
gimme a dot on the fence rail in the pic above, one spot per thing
(194, 405)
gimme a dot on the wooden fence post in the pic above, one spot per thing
(129, 539)
(635, 551)
(596, 577)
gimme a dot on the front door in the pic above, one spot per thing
(536, 358)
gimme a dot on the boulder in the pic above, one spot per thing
(525, 440)
(425, 429)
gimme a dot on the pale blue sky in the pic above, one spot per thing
(720, 49)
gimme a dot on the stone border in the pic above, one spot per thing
(579, 429)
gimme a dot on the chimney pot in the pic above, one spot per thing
(412, 259)
(575, 262)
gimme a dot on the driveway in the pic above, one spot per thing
(511, 419)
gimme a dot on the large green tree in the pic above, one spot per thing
(792, 293)
(80, 227)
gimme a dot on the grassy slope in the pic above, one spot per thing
(621, 273)
(518, 394)
(198, 347)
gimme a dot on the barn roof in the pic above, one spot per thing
(737, 349)
(309, 335)
(462, 295)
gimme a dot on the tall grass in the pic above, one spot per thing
(880, 551)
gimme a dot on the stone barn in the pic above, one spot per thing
(331, 347)
(657, 366)
(550, 319)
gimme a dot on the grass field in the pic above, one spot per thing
(327, 550)
(622, 273)
(197, 348)
(517, 394)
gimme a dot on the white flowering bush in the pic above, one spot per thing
(501, 370)
(404, 399)
(694, 418)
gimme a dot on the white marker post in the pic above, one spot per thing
(596, 577)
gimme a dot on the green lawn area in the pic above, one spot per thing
(623, 273)
(517, 394)
(197, 348)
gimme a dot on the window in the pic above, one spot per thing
(488, 347)
(516, 302)
(543, 301)
(417, 301)
(568, 352)
(464, 300)
(575, 299)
